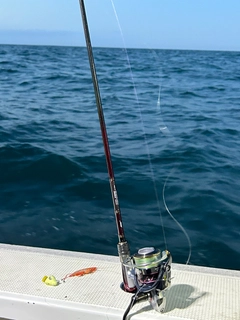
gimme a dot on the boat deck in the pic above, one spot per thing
(196, 293)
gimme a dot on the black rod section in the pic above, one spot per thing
(116, 206)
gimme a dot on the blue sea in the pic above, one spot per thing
(173, 121)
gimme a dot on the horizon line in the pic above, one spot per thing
(115, 47)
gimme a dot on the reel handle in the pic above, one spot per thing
(157, 300)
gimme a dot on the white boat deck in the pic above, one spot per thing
(197, 293)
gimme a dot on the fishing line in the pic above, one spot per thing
(141, 119)
(162, 126)
(178, 223)
(164, 129)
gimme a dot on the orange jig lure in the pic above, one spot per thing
(80, 273)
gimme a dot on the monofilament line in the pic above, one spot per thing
(180, 226)
(141, 119)
(165, 130)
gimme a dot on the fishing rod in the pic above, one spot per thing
(123, 247)
(148, 272)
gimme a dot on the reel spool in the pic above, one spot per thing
(148, 264)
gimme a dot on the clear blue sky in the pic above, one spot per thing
(164, 24)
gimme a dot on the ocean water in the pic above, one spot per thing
(173, 125)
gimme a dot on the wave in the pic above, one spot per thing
(26, 162)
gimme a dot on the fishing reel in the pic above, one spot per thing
(147, 274)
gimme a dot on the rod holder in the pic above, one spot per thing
(127, 269)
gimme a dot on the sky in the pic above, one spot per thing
(160, 24)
